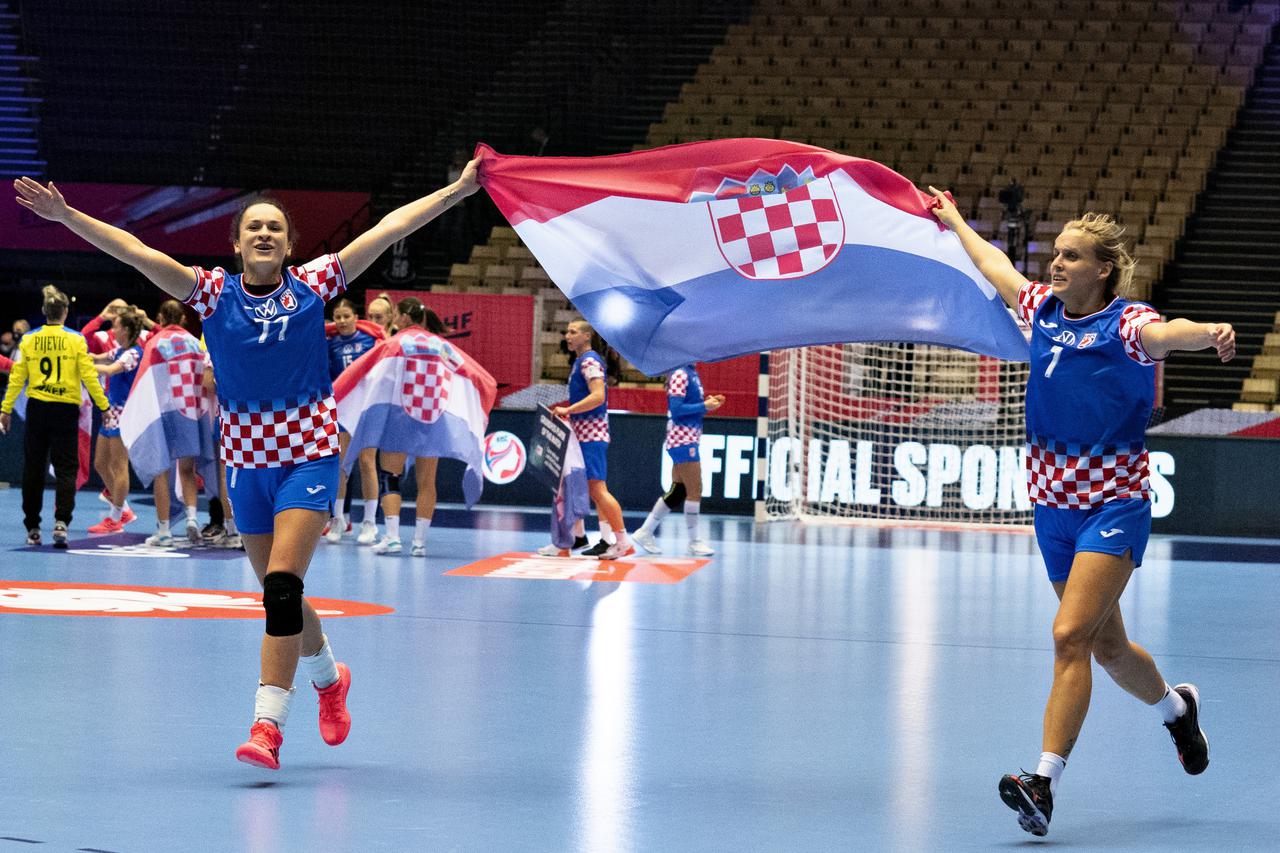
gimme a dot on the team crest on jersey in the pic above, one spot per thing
(1088, 340)
(287, 302)
(776, 226)
(266, 310)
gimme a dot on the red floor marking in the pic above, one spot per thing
(520, 564)
(91, 599)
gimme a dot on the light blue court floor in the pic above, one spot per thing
(811, 689)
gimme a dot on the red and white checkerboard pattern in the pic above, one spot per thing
(590, 428)
(780, 235)
(185, 375)
(111, 417)
(1132, 319)
(424, 394)
(679, 436)
(284, 436)
(204, 296)
(1058, 478)
(1030, 295)
(678, 383)
(324, 276)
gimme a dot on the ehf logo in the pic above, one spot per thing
(776, 226)
(1088, 340)
(266, 310)
(287, 302)
(504, 457)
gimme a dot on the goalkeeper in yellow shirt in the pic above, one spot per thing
(54, 362)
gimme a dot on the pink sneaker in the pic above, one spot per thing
(107, 525)
(262, 749)
(127, 516)
(335, 720)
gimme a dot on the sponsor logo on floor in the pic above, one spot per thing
(88, 599)
(526, 566)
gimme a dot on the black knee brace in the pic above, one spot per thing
(388, 483)
(674, 498)
(282, 599)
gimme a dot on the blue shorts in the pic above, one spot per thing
(595, 455)
(683, 453)
(1116, 527)
(257, 494)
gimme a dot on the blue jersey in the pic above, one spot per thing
(271, 362)
(119, 385)
(343, 350)
(686, 407)
(1089, 398)
(592, 425)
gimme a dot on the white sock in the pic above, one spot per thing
(230, 526)
(162, 527)
(191, 515)
(117, 512)
(370, 511)
(321, 668)
(660, 511)
(1171, 706)
(1051, 765)
(580, 528)
(339, 523)
(393, 527)
(691, 511)
(272, 704)
(420, 528)
(606, 533)
(124, 507)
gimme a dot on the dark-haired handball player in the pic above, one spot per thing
(347, 342)
(686, 407)
(1089, 396)
(265, 332)
(588, 414)
(110, 458)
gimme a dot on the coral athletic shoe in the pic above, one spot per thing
(618, 550)
(127, 516)
(1188, 737)
(107, 525)
(335, 720)
(262, 749)
(1028, 794)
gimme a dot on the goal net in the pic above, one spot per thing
(895, 431)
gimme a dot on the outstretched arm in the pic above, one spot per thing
(1160, 339)
(361, 252)
(160, 269)
(994, 264)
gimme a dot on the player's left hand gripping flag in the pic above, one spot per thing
(709, 250)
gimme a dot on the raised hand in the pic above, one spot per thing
(944, 209)
(468, 181)
(44, 201)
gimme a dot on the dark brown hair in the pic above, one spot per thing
(171, 313)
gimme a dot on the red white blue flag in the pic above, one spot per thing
(418, 394)
(169, 414)
(709, 250)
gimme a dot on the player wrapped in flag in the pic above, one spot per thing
(572, 501)
(675, 254)
(416, 393)
(169, 414)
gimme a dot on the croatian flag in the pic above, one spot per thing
(418, 394)
(572, 500)
(169, 413)
(709, 250)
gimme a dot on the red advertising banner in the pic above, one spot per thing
(494, 329)
(181, 220)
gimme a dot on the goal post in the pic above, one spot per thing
(892, 432)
